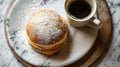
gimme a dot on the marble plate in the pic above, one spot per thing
(79, 42)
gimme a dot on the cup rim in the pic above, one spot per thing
(83, 19)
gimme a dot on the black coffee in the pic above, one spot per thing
(79, 9)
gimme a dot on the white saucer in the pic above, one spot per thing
(79, 40)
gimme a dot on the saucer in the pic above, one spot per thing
(79, 41)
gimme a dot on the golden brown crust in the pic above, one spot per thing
(55, 45)
(49, 51)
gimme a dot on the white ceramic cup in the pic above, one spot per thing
(89, 20)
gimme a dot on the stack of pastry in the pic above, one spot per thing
(46, 31)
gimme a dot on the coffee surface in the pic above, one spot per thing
(79, 9)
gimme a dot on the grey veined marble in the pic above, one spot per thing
(111, 59)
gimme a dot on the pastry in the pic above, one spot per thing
(46, 31)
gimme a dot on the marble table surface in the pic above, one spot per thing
(110, 59)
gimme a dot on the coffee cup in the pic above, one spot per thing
(81, 13)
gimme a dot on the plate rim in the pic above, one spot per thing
(7, 13)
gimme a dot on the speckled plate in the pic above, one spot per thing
(79, 42)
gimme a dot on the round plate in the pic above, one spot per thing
(79, 40)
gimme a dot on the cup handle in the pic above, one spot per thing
(94, 23)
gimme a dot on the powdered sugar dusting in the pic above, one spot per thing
(47, 26)
(32, 6)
